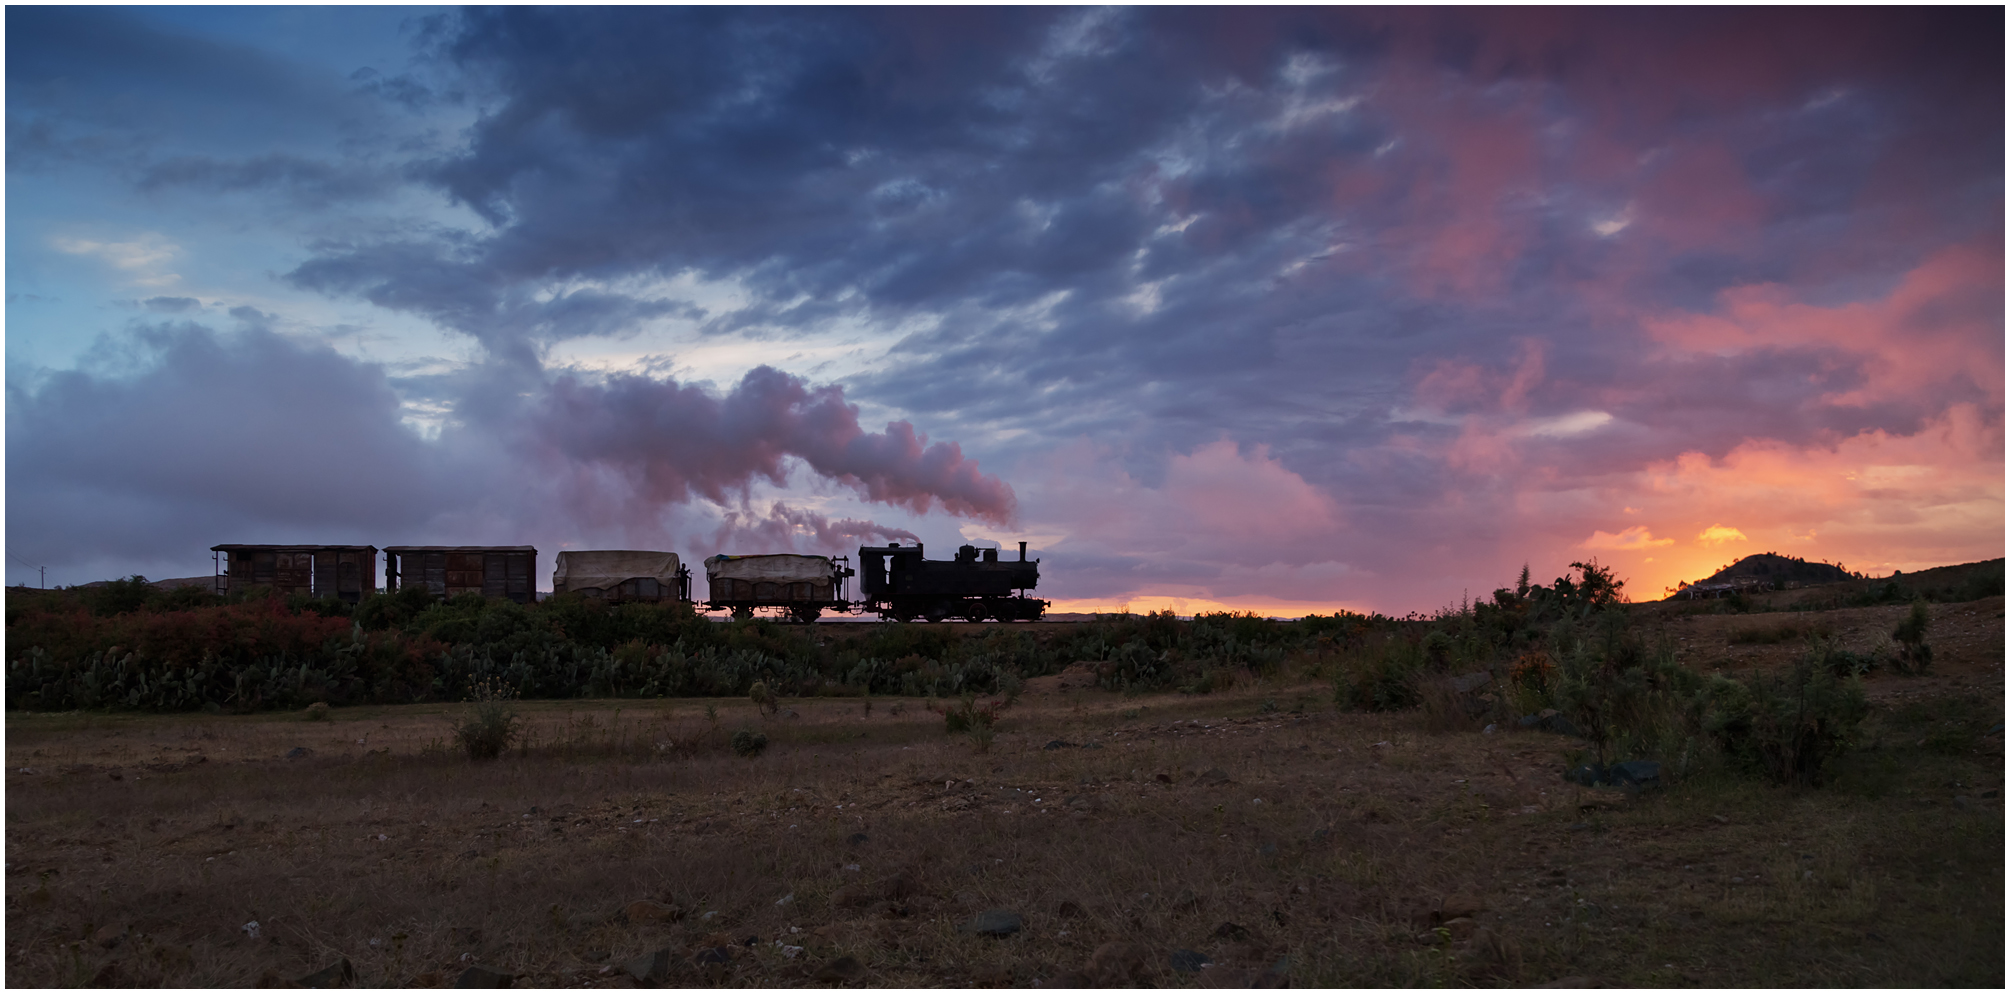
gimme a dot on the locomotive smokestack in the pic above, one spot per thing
(1022, 552)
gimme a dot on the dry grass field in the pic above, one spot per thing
(1250, 837)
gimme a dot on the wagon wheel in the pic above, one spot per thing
(806, 613)
(742, 613)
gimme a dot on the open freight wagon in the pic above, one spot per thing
(799, 587)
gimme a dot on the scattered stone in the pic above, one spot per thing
(644, 912)
(250, 930)
(1460, 906)
(1162, 777)
(1187, 960)
(652, 968)
(299, 752)
(338, 974)
(997, 923)
(483, 976)
(1186, 900)
(856, 838)
(110, 936)
(712, 956)
(1231, 931)
(1213, 776)
(840, 970)
(786, 900)
(1069, 909)
(1059, 744)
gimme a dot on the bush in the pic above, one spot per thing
(1381, 677)
(968, 716)
(748, 743)
(490, 727)
(1914, 655)
(1785, 728)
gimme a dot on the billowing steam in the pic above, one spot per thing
(672, 442)
(795, 529)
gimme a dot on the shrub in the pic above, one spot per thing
(748, 743)
(967, 715)
(491, 722)
(763, 698)
(1785, 728)
(1914, 655)
(1381, 677)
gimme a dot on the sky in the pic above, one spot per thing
(1278, 310)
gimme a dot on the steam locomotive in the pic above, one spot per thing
(896, 582)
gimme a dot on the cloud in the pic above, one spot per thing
(1636, 537)
(189, 438)
(1718, 535)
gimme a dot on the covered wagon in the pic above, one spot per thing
(801, 587)
(621, 575)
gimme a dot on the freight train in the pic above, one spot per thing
(896, 581)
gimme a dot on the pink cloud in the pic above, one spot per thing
(1940, 329)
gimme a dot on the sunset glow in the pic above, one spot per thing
(1276, 310)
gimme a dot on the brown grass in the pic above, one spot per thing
(138, 846)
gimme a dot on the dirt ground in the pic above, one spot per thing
(1255, 837)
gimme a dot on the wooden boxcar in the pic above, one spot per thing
(344, 571)
(449, 570)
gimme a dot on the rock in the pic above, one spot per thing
(652, 968)
(1119, 964)
(338, 974)
(996, 923)
(110, 936)
(1635, 773)
(1231, 931)
(856, 838)
(482, 976)
(1068, 909)
(647, 912)
(1059, 744)
(1080, 802)
(1186, 900)
(1460, 906)
(1187, 960)
(712, 956)
(1162, 777)
(250, 930)
(786, 900)
(840, 970)
(299, 752)
(1213, 776)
